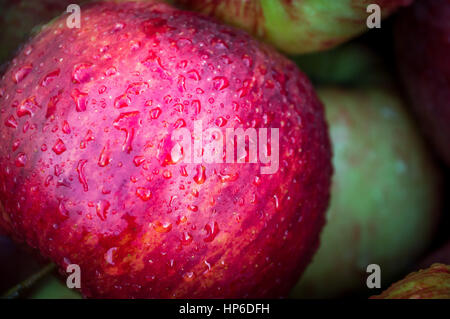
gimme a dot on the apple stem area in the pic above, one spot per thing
(18, 290)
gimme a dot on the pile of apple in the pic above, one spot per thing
(93, 172)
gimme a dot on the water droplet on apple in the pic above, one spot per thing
(200, 177)
(22, 72)
(143, 193)
(81, 72)
(59, 147)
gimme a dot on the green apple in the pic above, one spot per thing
(385, 194)
(431, 283)
(52, 287)
(297, 26)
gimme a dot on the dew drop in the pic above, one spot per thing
(200, 177)
(162, 227)
(59, 147)
(22, 72)
(186, 238)
(102, 89)
(27, 107)
(189, 276)
(66, 128)
(101, 208)
(81, 72)
(80, 99)
(137, 88)
(181, 83)
(211, 229)
(49, 77)
(220, 83)
(192, 208)
(15, 145)
(110, 71)
(105, 156)
(194, 75)
(109, 255)
(197, 106)
(180, 123)
(167, 174)
(155, 113)
(122, 101)
(11, 122)
(126, 122)
(62, 210)
(21, 160)
(138, 160)
(143, 193)
(81, 176)
(221, 121)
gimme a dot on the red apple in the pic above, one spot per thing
(431, 283)
(423, 52)
(90, 174)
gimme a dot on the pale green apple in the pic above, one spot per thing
(431, 283)
(297, 26)
(51, 287)
(385, 194)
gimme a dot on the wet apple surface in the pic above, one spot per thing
(90, 174)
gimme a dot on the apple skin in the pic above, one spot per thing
(430, 283)
(385, 194)
(19, 17)
(423, 50)
(86, 174)
(290, 26)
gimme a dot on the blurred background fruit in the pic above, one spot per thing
(422, 36)
(19, 18)
(297, 26)
(52, 287)
(348, 64)
(431, 283)
(385, 193)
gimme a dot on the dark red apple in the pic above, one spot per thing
(423, 55)
(90, 174)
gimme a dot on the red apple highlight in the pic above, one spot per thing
(88, 172)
